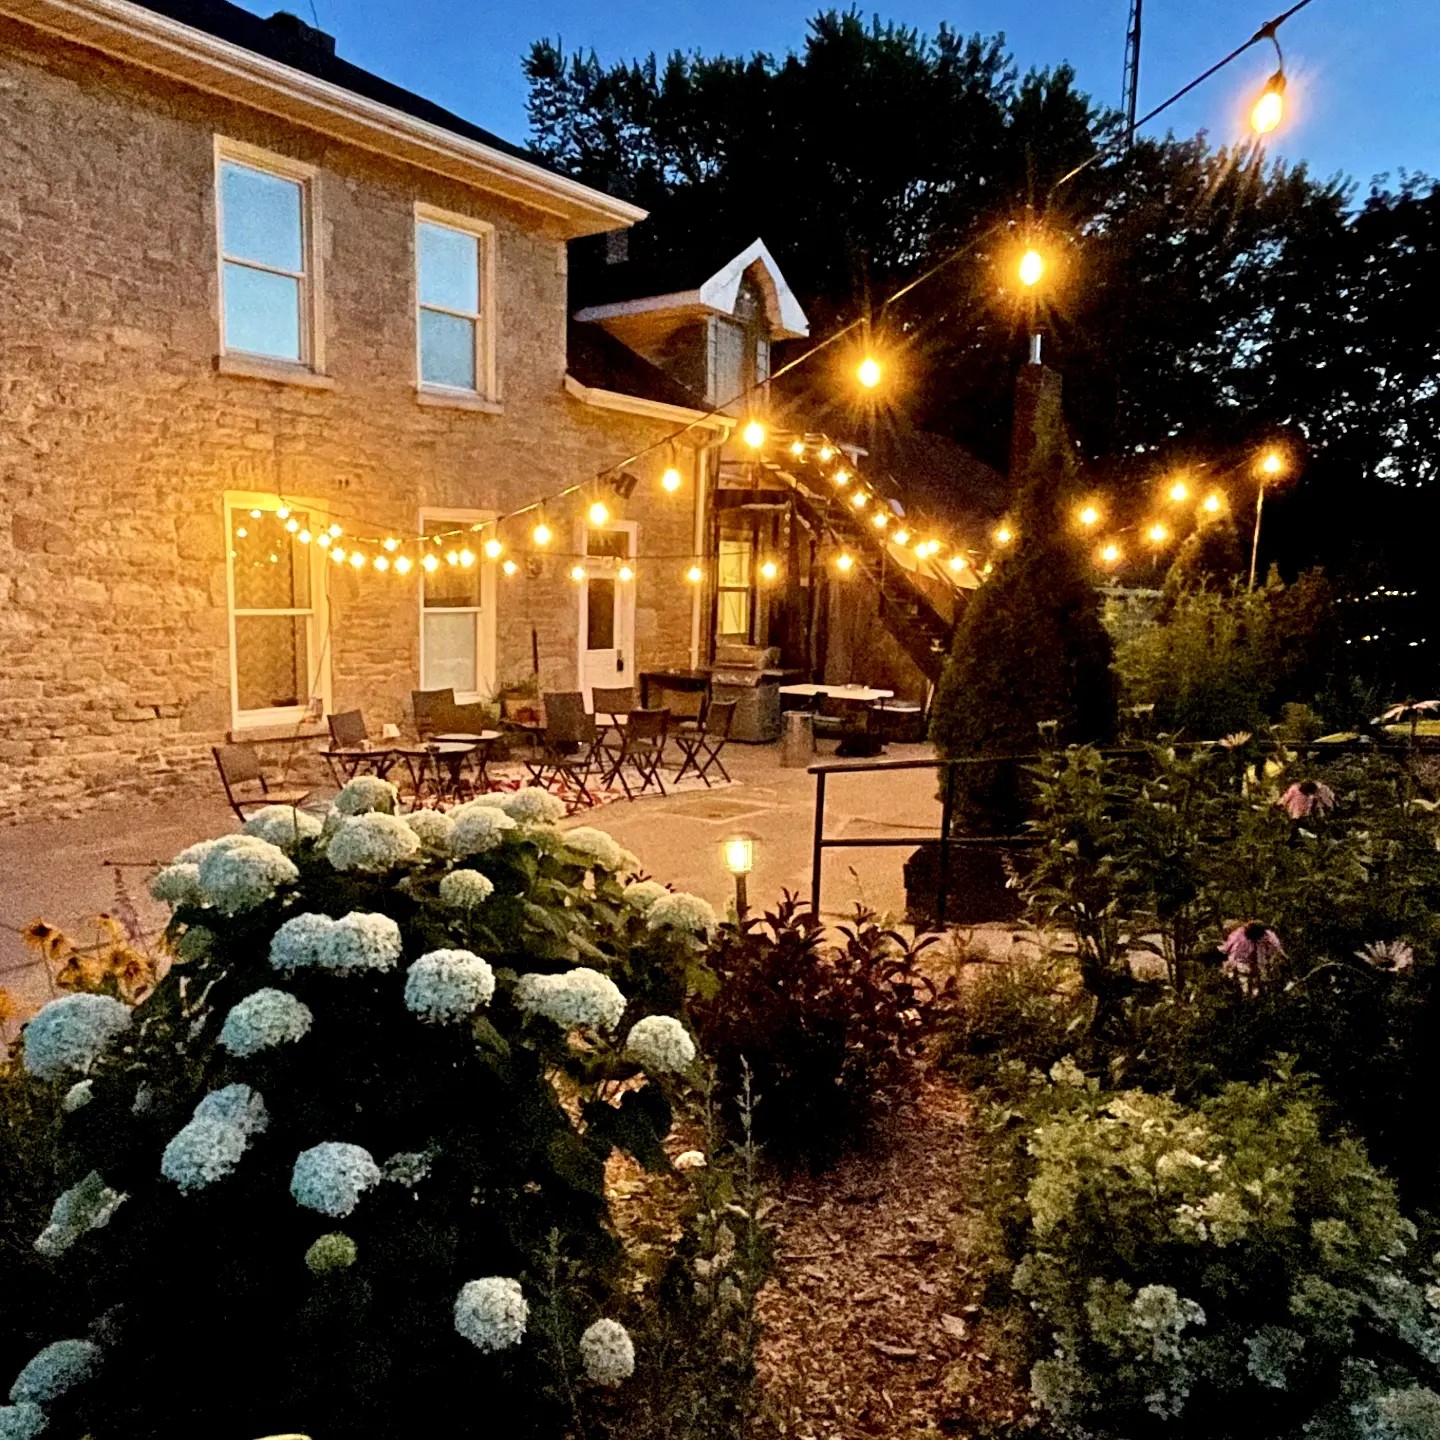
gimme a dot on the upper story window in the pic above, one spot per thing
(266, 270)
(454, 329)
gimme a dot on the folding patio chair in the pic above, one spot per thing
(240, 765)
(569, 750)
(610, 707)
(642, 747)
(349, 751)
(701, 741)
(437, 712)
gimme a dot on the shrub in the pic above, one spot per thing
(354, 1197)
(831, 1034)
(1226, 1271)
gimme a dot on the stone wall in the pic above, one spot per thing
(119, 438)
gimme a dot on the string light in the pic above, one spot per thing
(577, 573)
(493, 549)
(256, 514)
(868, 372)
(957, 562)
(1032, 267)
(1157, 534)
(304, 537)
(241, 532)
(827, 453)
(753, 434)
(403, 564)
(1089, 516)
(292, 526)
(841, 477)
(337, 554)
(797, 449)
(694, 574)
(859, 499)
(430, 564)
(391, 544)
(323, 540)
(1269, 109)
(467, 558)
(1211, 505)
(769, 570)
(599, 513)
(880, 520)
(670, 481)
(625, 574)
(542, 534)
(509, 567)
(336, 532)
(357, 560)
(901, 537)
(1110, 554)
(282, 512)
(1179, 492)
(1004, 535)
(381, 564)
(845, 563)
(452, 557)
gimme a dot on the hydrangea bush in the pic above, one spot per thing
(368, 1105)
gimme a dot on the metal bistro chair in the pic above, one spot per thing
(569, 751)
(701, 741)
(438, 712)
(610, 707)
(349, 748)
(240, 765)
(642, 747)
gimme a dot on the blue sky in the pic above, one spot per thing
(1365, 100)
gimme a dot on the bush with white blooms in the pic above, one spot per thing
(342, 1171)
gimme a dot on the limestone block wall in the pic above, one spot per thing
(119, 438)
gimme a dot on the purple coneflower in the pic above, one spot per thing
(1306, 799)
(1392, 955)
(1249, 950)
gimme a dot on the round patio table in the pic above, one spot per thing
(347, 761)
(425, 762)
(482, 742)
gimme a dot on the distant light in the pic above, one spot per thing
(769, 570)
(1211, 505)
(845, 563)
(753, 434)
(694, 574)
(577, 573)
(827, 453)
(1110, 554)
(1157, 534)
(1032, 267)
(625, 573)
(392, 544)
(493, 549)
(869, 372)
(542, 534)
(957, 562)
(901, 537)
(381, 564)
(859, 499)
(509, 567)
(1179, 492)
(797, 449)
(880, 520)
(403, 564)
(357, 560)
(431, 564)
(1089, 516)
(467, 558)
(670, 480)
(1004, 535)
(599, 513)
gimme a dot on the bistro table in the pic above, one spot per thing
(347, 761)
(856, 738)
(424, 763)
(483, 742)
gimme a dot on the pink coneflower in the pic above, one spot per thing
(1249, 951)
(1235, 740)
(1393, 955)
(1306, 799)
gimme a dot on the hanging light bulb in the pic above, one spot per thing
(1269, 109)
(1089, 516)
(391, 544)
(542, 534)
(509, 567)
(1110, 554)
(381, 564)
(599, 513)
(880, 520)
(431, 564)
(304, 537)
(797, 449)
(493, 549)
(337, 554)
(467, 558)
(859, 499)
(256, 514)
(403, 564)
(1004, 535)
(452, 557)
(292, 526)
(694, 574)
(1211, 505)
(841, 477)
(336, 532)
(753, 434)
(241, 532)
(1157, 534)
(957, 562)
(901, 537)
(357, 560)
(670, 481)
(868, 372)
(282, 512)
(845, 562)
(827, 453)
(577, 573)
(1032, 268)
(769, 570)
(323, 540)
(625, 574)
(1179, 492)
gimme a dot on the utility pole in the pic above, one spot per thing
(1130, 99)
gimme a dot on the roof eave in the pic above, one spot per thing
(131, 33)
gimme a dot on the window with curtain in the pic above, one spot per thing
(451, 611)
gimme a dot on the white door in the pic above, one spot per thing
(607, 607)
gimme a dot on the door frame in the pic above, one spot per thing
(631, 529)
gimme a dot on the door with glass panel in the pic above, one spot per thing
(607, 608)
(274, 664)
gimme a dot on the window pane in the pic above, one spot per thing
(260, 215)
(272, 660)
(271, 571)
(733, 617)
(727, 376)
(450, 651)
(600, 614)
(734, 563)
(262, 312)
(453, 586)
(449, 268)
(615, 543)
(447, 350)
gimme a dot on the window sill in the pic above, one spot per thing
(457, 400)
(257, 732)
(247, 367)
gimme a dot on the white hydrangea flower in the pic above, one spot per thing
(433, 829)
(465, 888)
(596, 846)
(577, 997)
(679, 911)
(80, 1209)
(240, 872)
(332, 1176)
(177, 884)
(300, 941)
(361, 940)
(194, 854)
(71, 1033)
(629, 863)
(22, 1422)
(282, 825)
(407, 1167)
(491, 1313)
(203, 1152)
(366, 793)
(78, 1096)
(642, 894)
(264, 1019)
(236, 1105)
(478, 828)
(530, 805)
(608, 1352)
(448, 985)
(372, 843)
(690, 1160)
(59, 1367)
(660, 1043)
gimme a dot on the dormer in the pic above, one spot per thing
(714, 336)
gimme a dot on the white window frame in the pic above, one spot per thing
(317, 646)
(431, 522)
(487, 385)
(237, 152)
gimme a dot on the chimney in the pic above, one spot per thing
(304, 42)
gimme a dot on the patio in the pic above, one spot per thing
(64, 870)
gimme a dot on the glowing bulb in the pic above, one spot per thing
(841, 477)
(625, 574)
(859, 499)
(753, 434)
(1211, 505)
(357, 560)
(670, 480)
(452, 557)
(577, 573)
(869, 372)
(827, 453)
(403, 564)
(1110, 554)
(304, 537)
(797, 449)
(845, 564)
(901, 537)
(509, 567)
(336, 532)
(599, 513)
(1269, 109)
(283, 512)
(542, 534)
(292, 526)
(1089, 516)
(769, 570)
(493, 549)
(323, 540)
(1179, 492)
(391, 544)
(740, 855)
(241, 532)
(467, 558)
(337, 554)
(1157, 534)
(957, 563)
(431, 564)
(880, 520)
(255, 514)
(1032, 267)
(694, 574)
(1273, 463)
(1004, 535)
(381, 564)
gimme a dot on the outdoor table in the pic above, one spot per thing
(483, 742)
(686, 682)
(855, 737)
(346, 761)
(424, 762)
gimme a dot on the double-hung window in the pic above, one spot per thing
(457, 609)
(266, 268)
(454, 331)
(733, 587)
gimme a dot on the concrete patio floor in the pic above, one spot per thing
(64, 870)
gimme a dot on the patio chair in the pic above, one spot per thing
(239, 765)
(642, 748)
(349, 732)
(612, 703)
(701, 741)
(437, 712)
(569, 750)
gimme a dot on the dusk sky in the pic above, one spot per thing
(1361, 72)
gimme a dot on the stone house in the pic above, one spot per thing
(283, 351)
